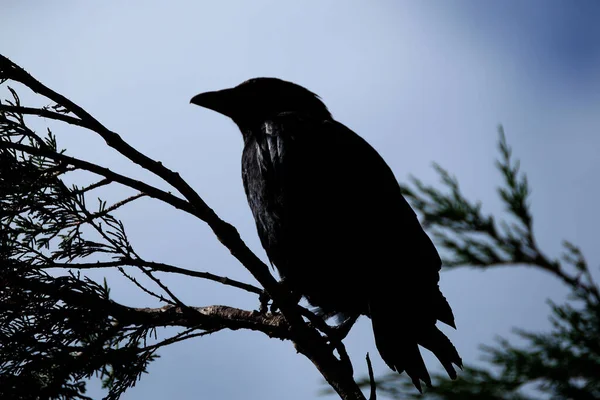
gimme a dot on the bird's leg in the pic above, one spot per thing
(335, 335)
(344, 358)
(294, 296)
(338, 333)
(264, 299)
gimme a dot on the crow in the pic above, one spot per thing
(332, 220)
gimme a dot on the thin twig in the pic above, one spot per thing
(145, 289)
(125, 252)
(118, 205)
(41, 112)
(100, 183)
(96, 169)
(161, 267)
(162, 286)
(181, 337)
(373, 394)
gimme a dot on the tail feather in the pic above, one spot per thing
(444, 312)
(399, 349)
(404, 357)
(398, 343)
(415, 367)
(439, 344)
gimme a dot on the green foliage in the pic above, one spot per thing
(561, 364)
(56, 331)
(471, 237)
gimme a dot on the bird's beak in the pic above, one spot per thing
(222, 101)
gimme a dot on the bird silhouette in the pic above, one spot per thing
(332, 219)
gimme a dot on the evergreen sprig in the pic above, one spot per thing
(563, 363)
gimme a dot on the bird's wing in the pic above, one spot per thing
(365, 187)
(327, 192)
(333, 179)
(405, 300)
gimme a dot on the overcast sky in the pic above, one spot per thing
(421, 81)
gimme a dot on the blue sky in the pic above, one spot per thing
(421, 81)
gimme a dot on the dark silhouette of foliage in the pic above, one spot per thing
(561, 364)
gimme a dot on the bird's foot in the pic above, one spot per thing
(264, 299)
(335, 335)
(338, 333)
(285, 287)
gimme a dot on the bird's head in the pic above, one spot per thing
(254, 101)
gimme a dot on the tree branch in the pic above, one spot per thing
(162, 268)
(151, 191)
(207, 318)
(180, 337)
(42, 112)
(372, 383)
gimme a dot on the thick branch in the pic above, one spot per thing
(207, 318)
